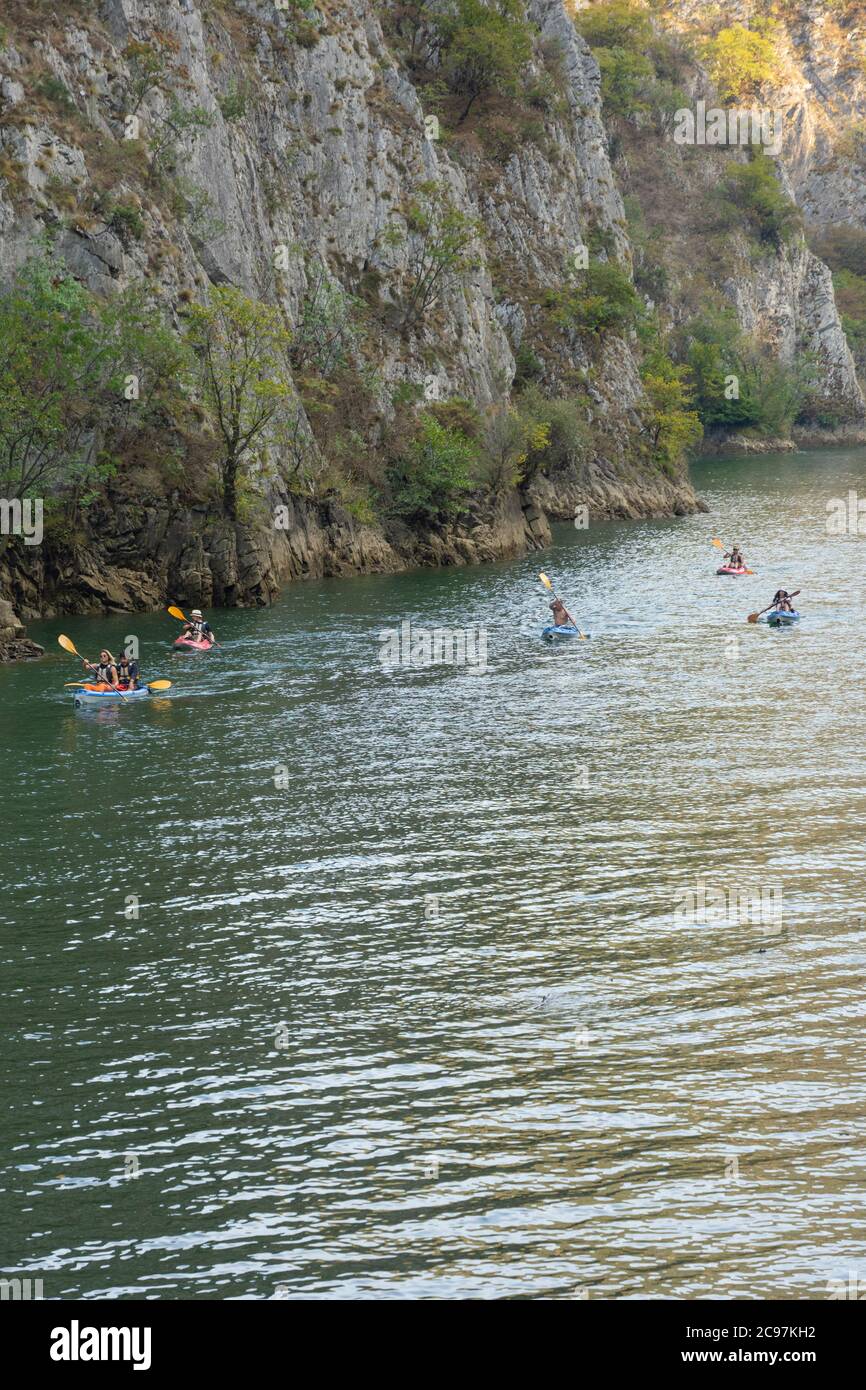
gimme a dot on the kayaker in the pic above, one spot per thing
(735, 558)
(198, 630)
(127, 673)
(782, 601)
(561, 615)
(104, 670)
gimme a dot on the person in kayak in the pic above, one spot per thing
(561, 615)
(782, 601)
(735, 559)
(127, 673)
(104, 670)
(198, 630)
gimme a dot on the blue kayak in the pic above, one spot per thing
(780, 618)
(550, 634)
(86, 696)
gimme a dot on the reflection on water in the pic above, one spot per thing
(431, 982)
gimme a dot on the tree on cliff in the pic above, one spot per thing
(670, 424)
(75, 374)
(484, 48)
(242, 346)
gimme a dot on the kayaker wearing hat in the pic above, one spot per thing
(561, 615)
(198, 630)
(736, 558)
(127, 672)
(104, 670)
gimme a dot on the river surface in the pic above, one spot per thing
(537, 976)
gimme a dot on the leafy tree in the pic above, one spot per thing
(325, 332)
(625, 80)
(514, 436)
(670, 423)
(636, 63)
(441, 240)
(430, 481)
(485, 48)
(767, 395)
(754, 190)
(73, 372)
(604, 301)
(741, 59)
(242, 346)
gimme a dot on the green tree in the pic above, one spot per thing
(441, 247)
(74, 372)
(637, 63)
(603, 301)
(754, 190)
(485, 48)
(670, 423)
(242, 346)
(741, 59)
(430, 481)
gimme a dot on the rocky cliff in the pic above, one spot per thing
(291, 142)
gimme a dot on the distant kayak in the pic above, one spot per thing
(187, 644)
(550, 634)
(92, 695)
(780, 618)
(726, 569)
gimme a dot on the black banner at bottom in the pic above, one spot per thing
(159, 1338)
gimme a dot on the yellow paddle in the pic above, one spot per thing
(547, 584)
(177, 613)
(721, 547)
(69, 646)
(151, 685)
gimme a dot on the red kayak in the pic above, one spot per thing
(188, 645)
(726, 569)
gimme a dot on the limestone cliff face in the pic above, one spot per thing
(314, 142)
(320, 158)
(819, 92)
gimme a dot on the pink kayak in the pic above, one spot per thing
(726, 569)
(188, 645)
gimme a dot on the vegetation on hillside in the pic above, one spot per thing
(742, 59)
(843, 247)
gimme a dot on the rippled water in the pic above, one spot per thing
(412, 1006)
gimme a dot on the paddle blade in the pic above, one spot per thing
(68, 685)
(718, 543)
(159, 685)
(545, 581)
(753, 617)
(176, 613)
(67, 644)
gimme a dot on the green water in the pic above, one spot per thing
(327, 980)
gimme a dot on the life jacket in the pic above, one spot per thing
(128, 672)
(200, 630)
(103, 671)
